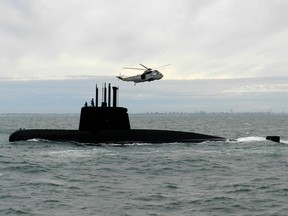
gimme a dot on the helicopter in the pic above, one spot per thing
(147, 76)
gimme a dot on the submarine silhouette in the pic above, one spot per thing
(107, 124)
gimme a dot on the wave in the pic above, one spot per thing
(284, 141)
(251, 139)
(240, 139)
(257, 139)
(38, 140)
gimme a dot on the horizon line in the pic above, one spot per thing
(87, 77)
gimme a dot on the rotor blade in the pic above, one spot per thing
(133, 68)
(163, 66)
(144, 66)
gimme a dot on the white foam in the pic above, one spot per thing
(251, 139)
(284, 141)
(33, 140)
(38, 140)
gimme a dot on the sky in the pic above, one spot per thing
(219, 51)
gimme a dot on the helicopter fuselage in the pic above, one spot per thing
(148, 76)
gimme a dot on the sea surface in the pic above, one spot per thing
(247, 176)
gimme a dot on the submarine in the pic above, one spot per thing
(109, 124)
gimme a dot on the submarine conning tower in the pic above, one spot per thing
(105, 117)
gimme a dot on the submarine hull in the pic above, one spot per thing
(113, 136)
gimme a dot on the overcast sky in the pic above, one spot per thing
(201, 39)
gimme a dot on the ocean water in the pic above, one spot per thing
(247, 176)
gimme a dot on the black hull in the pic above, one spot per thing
(113, 136)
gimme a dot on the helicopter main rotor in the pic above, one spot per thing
(145, 68)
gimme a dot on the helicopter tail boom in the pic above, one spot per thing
(121, 78)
